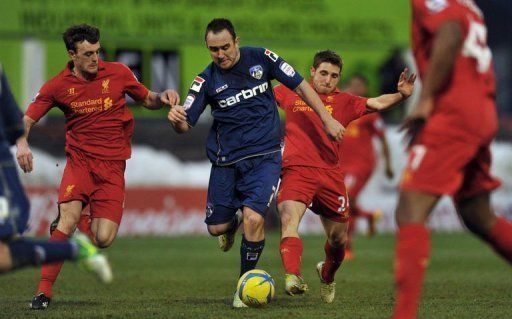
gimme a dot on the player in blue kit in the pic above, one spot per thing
(244, 141)
(17, 252)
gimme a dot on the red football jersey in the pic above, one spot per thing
(465, 107)
(97, 119)
(305, 141)
(358, 141)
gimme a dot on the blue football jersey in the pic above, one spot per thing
(246, 122)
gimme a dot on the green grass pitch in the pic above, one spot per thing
(189, 277)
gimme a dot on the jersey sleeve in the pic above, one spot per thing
(279, 93)
(132, 86)
(280, 70)
(358, 106)
(42, 102)
(433, 13)
(196, 100)
(11, 114)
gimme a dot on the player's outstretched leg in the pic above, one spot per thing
(253, 242)
(46, 252)
(227, 239)
(334, 248)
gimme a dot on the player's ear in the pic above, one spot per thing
(312, 71)
(71, 54)
(237, 41)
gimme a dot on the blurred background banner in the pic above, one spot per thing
(162, 41)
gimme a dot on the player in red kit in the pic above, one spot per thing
(99, 127)
(451, 128)
(311, 173)
(359, 166)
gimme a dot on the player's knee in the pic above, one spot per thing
(104, 239)
(253, 221)
(217, 230)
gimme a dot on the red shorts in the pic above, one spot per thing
(442, 165)
(355, 179)
(323, 189)
(99, 183)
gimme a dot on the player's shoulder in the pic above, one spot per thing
(56, 81)
(260, 53)
(115, 66)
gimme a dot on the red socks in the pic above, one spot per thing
(412, 253)
(291, 254)
(500, 238)
(50, 272)
(333, 258)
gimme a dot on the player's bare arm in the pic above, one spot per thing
(405, 88)
(446, 46)
(178, 118)
(332, 127)
(155, 101)
(23, 153)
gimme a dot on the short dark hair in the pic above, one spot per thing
(80, 33)
(328, 56)
(219, 24)
(359, 76)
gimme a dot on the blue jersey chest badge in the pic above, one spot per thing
(256, 72)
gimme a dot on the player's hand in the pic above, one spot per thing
(24, 155)
(334, 129)
(413, 123)
(405, 84)
(177, 115)
(170, 97)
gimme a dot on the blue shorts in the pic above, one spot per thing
(14, 204)
(251, 182)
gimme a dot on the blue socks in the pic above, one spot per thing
(26, 252)
(250, 253)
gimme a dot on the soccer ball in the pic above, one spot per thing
(256, 288)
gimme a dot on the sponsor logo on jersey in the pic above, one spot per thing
(92, 105)
(197, 84)
(189, 101)
(256, 71)
(287, 69)
(244, 95)
(271, 55)
(222, 88)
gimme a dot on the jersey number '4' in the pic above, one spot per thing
(475, 46)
